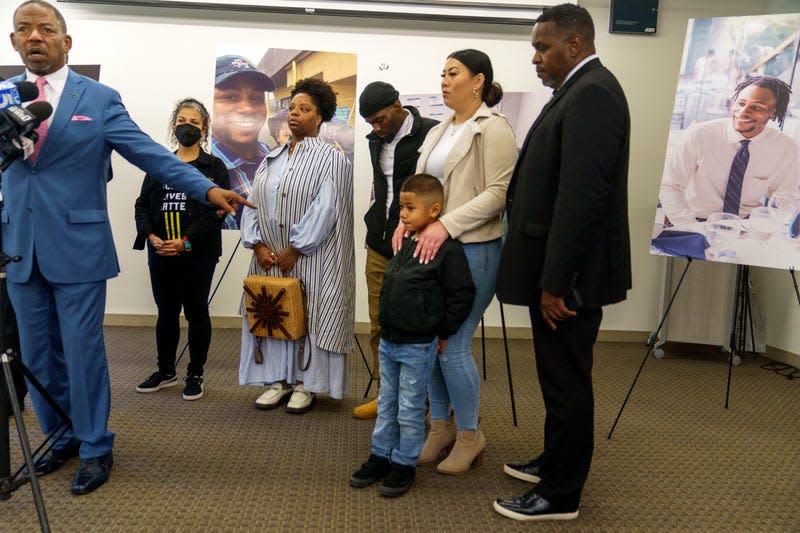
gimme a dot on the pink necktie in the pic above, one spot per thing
(41, 81)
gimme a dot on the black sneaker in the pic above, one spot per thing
(533, 506)
(157, 381)
(374, 469)
(193, 390)
(398, 481)
(525, 471)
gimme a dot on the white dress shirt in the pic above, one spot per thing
(55, 86)
(386, 158)
(697, 169)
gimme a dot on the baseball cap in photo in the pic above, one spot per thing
(229, 66)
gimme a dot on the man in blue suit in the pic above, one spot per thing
(55, 217)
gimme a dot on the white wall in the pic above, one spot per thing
(156, 56)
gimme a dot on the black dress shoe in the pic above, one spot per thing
(54, 460)
(533, 506)
(525, 471)
(92, 473)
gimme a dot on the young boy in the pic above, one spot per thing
(421, 305)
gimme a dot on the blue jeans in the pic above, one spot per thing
(400, 428)
(455, 377)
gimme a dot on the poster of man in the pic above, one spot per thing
(251, 96)
(730, 190)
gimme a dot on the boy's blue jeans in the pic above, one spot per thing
(400, 428)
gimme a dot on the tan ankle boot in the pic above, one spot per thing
(441, 437)
(467, 452)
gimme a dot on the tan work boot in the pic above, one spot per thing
(467, 452)
(366, 411)
(441, 437)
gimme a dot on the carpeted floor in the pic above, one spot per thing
(678, 460)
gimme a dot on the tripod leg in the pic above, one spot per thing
(14, 359)
(739, 328)
(66, 422)
(23, 439)
(5, 452)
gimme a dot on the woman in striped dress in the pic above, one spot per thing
(303, 228)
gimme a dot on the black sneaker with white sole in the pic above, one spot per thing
(193, 390)
(525, 471)
(157, 381)
(534, 506)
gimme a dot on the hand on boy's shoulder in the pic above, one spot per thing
(430, 240)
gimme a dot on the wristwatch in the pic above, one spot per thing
(187, 246)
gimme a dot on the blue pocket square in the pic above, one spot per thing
(681, 243)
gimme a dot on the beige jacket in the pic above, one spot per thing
(476, 175)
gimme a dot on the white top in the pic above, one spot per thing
(697, 169)
(436, 161)
(386, 158)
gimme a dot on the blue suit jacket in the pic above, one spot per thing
(57, 206)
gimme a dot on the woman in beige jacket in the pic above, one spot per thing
(473, 153)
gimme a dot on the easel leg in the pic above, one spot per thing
(483, 347)
(366, 364)
(508, 367)
(219, 282)
(794, 282)
(650, 343)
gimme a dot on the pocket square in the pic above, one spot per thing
(81, 118)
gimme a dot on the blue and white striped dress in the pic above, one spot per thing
(306, 200)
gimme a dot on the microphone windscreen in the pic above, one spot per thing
(42, 110)
(27, 91)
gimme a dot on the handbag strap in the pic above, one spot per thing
(302, 340)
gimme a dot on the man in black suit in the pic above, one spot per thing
(567, 252)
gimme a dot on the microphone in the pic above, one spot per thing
(17, 135)
(17, 120)
(15, 93)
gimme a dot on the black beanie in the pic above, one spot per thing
(375, 97)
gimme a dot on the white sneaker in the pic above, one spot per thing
(301, 401)
(273, 397)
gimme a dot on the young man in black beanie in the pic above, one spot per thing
(397, 134)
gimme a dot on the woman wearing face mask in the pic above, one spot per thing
(303, 228)
(473, 152)
(184, 243)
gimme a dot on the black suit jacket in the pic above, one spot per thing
(567, 202)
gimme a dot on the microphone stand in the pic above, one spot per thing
(9, 483)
